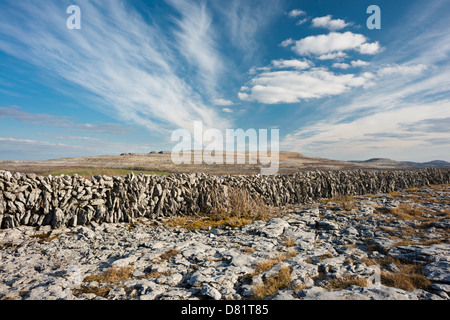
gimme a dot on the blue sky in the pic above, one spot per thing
(137, 70)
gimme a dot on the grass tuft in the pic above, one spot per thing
(169, 254)
(409, 276)
(111, 275)
(269, 263)
(345, 282)
(234, 209)
(273, 284)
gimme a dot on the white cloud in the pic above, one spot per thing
(404, 114)
(196, 41)
(296, 64)
(14, 148)
(359, 63)
(341, 65)
(328, 23)
(223, 102)
(293, 86)
(243, 22)
(129, 65)
(48, 120)
(379, 134)
(335, 42)
(302, 21)
(227, 110)
(354, 64)
(332, 56)
(32, 142)
(296, 13)
(370, 48)
(287, 42)
(402, 70)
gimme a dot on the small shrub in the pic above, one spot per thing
(240, 204)
(234, 210)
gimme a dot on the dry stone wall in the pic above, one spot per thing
(28, 199)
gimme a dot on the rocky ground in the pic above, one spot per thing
(385, 246)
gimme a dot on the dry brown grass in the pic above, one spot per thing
(111, 275)
(235, 210)
(346, 281)
(240, 204)
(195, 222)
(409, 276)
(108, 277)
(169, 254)
(269, 263)
(345, 202)
(439, 187)
(98, 291)
(248, 249)
(45, 237)
(394, 194)
(273, 284)
(325, 256)
(157, 274)
(414, 189)
(406, 281)
(406, 242)
(289, 242)
(406, 211)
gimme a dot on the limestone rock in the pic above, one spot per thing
(438, 271)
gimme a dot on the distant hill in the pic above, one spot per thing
(289, 162)
(382, 162)
(429, 164)
(385, 162)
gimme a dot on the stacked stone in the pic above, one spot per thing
(31, 200)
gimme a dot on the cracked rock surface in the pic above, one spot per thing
(332, 249)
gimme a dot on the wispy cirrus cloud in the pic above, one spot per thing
(399, 133)
(42, 149)
(403, 70)
(245, 21)
(126, 63)
(197, 43)
(48, 120)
